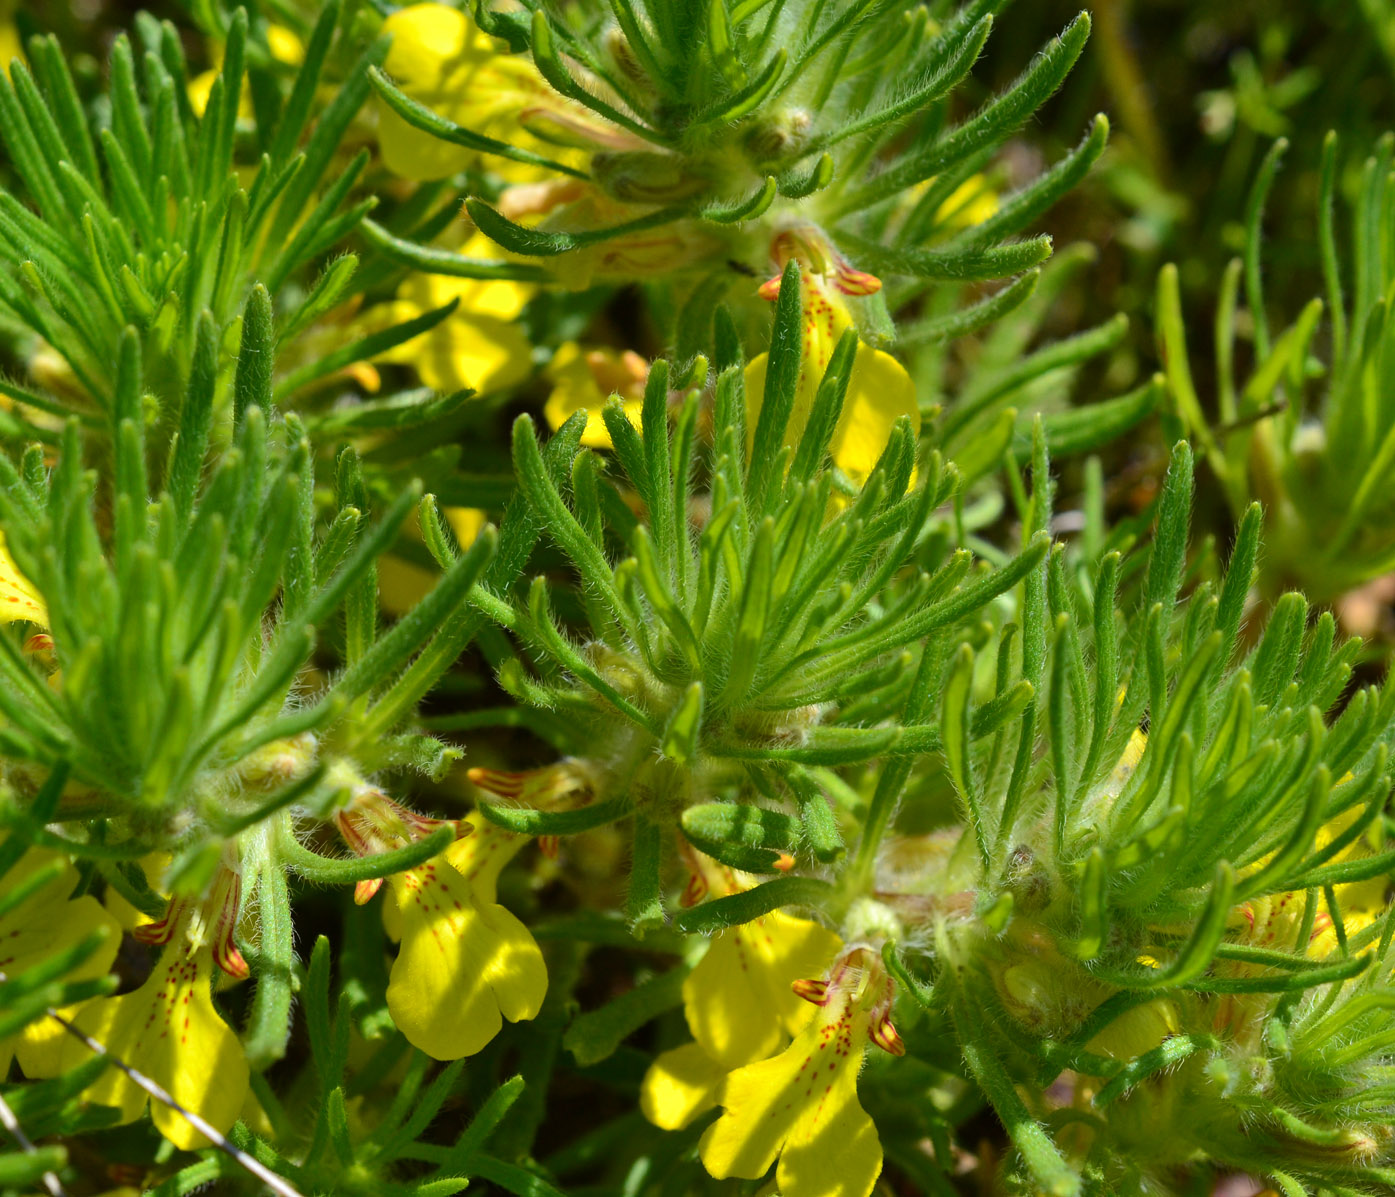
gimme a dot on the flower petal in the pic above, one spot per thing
(759, 1114)
(481, 855)
(879, 393)
(44, 924)
(479, 346)
(38, 1046)
(464, 964)
(467, 523)
(680, 1085)
(432, 48)
(576, 388)
(18, 598)
(801, 1106)
(833, 1151)
(169, 1030)
(738, 999)
(440, 57)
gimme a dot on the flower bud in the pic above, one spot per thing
(617, 45)
(778, 135)
(870, 921)
(648, 177)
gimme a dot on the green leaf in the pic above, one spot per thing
(252, 384)
(1094, 909)
(296, 112)
(524, 821)
(269, 1023)
(552, 68)
(955, 722)
(1254, 219)
(406, 409)
(681, 736)
(812, 451)
(429, 260)
(25, 1170)
(753, 95)
(988, 127)
(482, 1125)
(440, 607)
(996, 387)
(325, 142)
(1082, 429)
(747, 209)
(322, 869)
(796, 184)
(719, 44)
(1195, 956)
(1291, 982)
(934, 329)
(951, 264)
(1039, 1152)
(1169, 555)
(820, 823)
(982, 450)
(1170, 1053)
(735, 909)
(718, 824)
(537, 243)
(781, 385)
(513, 1179)
(324, 225)
(329, 289)
(575, 663)
(754, 611)
(595, 1035)
(190, 443)
(1021, 208)
(644, 905)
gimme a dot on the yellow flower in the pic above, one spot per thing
(467, 523)
(1138, 1030)
(18, 598)
(971, 203)
(441, 58)
(169, 1029)
(284, 45)
(750, 968)
(801, 1106)
(285, 48)
(680, 1085)
(879, 390)
(1273, 920)
(582, 380)
(466, 963)
(401, 584)
(47, 922)
(737, 1001)
(480, 346)
(10, 45)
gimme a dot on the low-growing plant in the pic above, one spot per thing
(483, 704)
